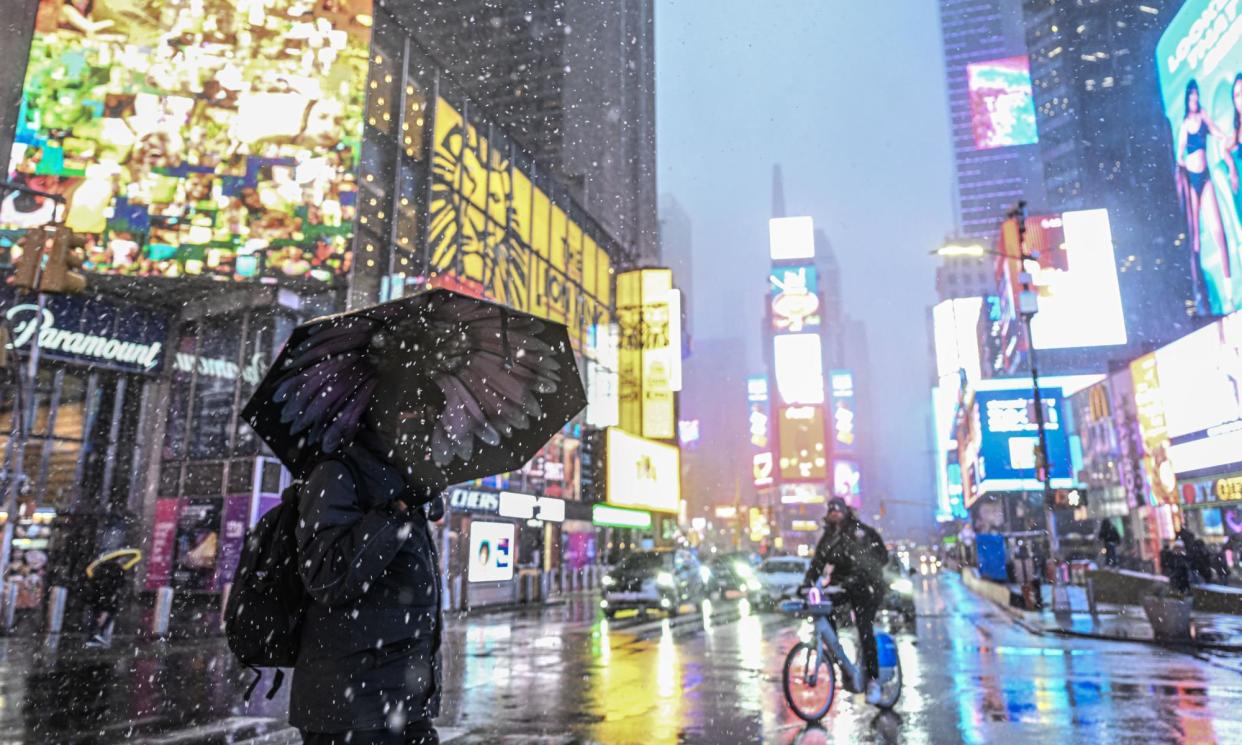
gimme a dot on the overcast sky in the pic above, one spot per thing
(849, 97)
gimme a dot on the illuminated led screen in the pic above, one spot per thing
(955, 324)
(1006, 437)
(1076, 278)
(795, 298)
(1197, 60)
(791, 238)
(799, 368)
(1199, 397)
(1002, 106)
(846, 479)
(642, 474)
(803, 455)
(217, 138)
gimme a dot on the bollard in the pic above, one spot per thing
(10, 606)
(57, 598)
(224, 602)
(163, 611)
(545, 587)
(456, 593)
(1091, 597)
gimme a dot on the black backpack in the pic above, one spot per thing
(263, 617)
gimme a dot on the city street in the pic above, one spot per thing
(563, 675)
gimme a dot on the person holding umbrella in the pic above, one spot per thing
(105, 584)
(377, 411)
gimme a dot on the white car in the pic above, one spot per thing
(779, 577)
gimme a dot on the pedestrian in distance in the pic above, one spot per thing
(1110, 539)
(105, 590)
(1175, 566)
(377, 411)
(857, 556)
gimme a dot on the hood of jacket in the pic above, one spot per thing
(383, 480)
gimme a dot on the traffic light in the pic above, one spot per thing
(66, 255)
(35, 245)
(58, 251)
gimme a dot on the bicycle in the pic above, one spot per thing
(809, 678)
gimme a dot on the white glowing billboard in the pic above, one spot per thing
(955, 326)
(799, 368)
(1075, 277)
(791, 238)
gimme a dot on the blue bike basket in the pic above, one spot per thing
(887, 649)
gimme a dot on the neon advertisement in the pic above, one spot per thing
(1199, 65)
(219, 142)
(1002, 105)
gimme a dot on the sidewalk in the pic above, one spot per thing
(1113, 622)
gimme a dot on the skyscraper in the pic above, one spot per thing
(1104, 142)
(573, 81)
(677, 244)
(996, 155)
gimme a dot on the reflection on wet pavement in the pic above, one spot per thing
(565, 674)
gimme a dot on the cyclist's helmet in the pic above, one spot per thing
(837, 505)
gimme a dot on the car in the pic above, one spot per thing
(779, 577)
(663, 579)
(899, 595)
(731, 573)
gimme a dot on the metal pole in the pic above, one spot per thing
(17, 462)
(1054, 543)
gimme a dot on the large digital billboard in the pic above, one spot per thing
(844, 433)
(650, 360)
(791, 238)
(955, 325)
(803, 452)
(218, 140)
(1199, 64)
(1075, 278)
(491, 552)
(799, 362)
(1199, 384)
(642, 473)
(1002, 106)
(795, 298)
(496, 232)
(997, 449)
(759, 414)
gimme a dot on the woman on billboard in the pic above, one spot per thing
(1195, 182)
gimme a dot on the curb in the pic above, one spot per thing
(1018, 617)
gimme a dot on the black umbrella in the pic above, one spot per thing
(454, 385)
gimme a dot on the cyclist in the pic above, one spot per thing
(857, 555)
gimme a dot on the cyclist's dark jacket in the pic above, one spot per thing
(856, 553)
(371, 637)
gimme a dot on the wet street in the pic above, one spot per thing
(564, 675)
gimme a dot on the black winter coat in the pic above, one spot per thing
(369, 656)
(856, 553)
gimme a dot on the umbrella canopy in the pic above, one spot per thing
(458, 388)
(127, 558)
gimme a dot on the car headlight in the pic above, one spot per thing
(705, 574)
(753, 586)
(608, 581)
(902, 585)
(744, 571)
(664, 579)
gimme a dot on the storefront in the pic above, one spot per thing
(80, 472)
(498, 545)
(1212, 510)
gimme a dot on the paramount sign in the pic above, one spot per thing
(90, 331)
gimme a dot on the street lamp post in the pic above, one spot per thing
(1044, 469)
(1027, 309)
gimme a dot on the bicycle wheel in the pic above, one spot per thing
(809, 681)
(890, 690)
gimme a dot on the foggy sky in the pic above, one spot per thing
(849, 97)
